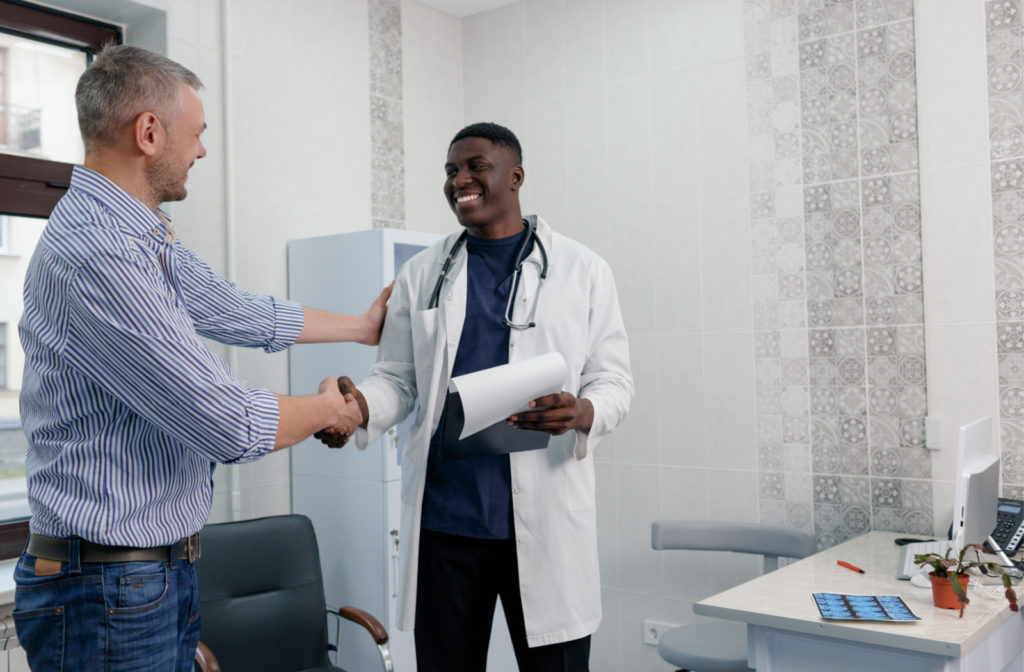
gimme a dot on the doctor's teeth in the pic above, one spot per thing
(467, 197)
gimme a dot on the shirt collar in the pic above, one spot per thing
(135, 217)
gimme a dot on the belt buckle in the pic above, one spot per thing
(192, 549)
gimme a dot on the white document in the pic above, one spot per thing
(491, 395)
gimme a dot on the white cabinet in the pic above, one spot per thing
(351, 496)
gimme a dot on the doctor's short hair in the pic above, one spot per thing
(121, 83)
(496, 133)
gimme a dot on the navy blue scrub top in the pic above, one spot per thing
(473, 497)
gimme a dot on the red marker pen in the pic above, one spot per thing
(849, 566)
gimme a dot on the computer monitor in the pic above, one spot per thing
(976, 495)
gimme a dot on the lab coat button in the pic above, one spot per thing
(448, 298)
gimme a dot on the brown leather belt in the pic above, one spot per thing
(53, 548)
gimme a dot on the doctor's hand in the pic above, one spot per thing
(347, 413)
(336, 437)
(374, 316)
(556, 414)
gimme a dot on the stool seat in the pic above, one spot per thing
(706, 647)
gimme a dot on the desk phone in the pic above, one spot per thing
(1009, 530)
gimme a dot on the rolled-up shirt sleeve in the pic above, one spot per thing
(222, 312)
(132, 337)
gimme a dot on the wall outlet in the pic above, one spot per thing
(653, 631)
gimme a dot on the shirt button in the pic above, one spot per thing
(522, 540)
(516, 491)
(524, 299)
(448, 298)
(451, 344)
(512, 344)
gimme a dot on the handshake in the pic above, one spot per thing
(552, 414)
(351, 409)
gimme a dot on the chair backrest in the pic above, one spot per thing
(262, 595)
(770, 541)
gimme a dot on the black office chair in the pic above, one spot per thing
(721, 646)
(262, 598)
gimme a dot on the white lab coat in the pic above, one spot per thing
(553, 490)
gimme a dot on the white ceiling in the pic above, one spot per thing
(463, 8)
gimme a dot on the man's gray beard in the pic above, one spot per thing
(164, 189)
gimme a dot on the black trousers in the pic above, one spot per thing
(459, 581)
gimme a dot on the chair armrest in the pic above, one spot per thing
(372, 625)
(205, 659)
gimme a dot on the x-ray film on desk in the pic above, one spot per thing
(479, 403)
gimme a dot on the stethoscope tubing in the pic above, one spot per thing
(435, 295)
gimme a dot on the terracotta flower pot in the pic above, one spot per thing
(942, 590)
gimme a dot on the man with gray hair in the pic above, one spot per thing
(125, 408)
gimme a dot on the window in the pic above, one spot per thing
(3, 356)
(43, 51)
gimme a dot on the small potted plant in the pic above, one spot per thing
(949, 577)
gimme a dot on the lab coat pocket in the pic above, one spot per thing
(424, 327)
(579, 480)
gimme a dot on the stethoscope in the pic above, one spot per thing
(531, 224)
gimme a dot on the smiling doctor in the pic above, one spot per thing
(522, 525)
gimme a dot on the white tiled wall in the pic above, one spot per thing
(634, 143)
(956, 217)
(432, 97)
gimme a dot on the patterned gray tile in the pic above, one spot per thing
(800, 515)
(1011, 434)
(918, 521)
(772, 511)
(846, 402)
(1011, 369)
(387, 181)
(874, 12)
(1011, 401)
(771, 485)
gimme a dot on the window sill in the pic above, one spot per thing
(7, 583)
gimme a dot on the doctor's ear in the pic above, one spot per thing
(518, 176)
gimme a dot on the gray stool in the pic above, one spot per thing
(721, 646)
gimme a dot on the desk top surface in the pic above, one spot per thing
(782, 600)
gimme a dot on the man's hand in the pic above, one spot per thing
(556, 414)
(338, 436)
(374, 316)
(349, 410)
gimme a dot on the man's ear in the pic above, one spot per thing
(518, 175)
(149, 133)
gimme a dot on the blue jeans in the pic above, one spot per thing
(108, 617)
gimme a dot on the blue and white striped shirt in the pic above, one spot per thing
(125, 408)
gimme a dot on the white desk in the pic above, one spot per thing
(786, 633)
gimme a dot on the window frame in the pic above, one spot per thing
(31, 187)
(3, 355)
